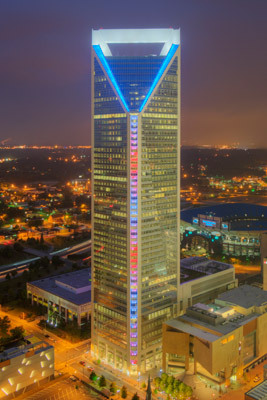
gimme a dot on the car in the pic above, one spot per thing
(73, 378)
(47, 336)
(82, 363)
(256, 379)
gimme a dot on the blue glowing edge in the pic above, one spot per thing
(162, 69)
(165, 63)
(105, 65)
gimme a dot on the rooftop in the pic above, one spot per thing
(203, 327)
(245, 296)
(74, 287)
(211, 321)
(198, 267)
(17, 351)
(259, 392)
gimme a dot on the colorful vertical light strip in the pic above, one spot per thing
(133, 237)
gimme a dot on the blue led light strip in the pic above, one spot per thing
(105, 65)
(160, 73)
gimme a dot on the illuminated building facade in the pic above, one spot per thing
(221, 340)
(25, 367)
(135, 191)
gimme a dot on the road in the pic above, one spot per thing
(110, 374)
(24, 265)
(64, 350)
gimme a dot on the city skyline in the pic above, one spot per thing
(45, 68)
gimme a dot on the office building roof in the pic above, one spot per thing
(198, 267)
(74, 287)
(245, 296)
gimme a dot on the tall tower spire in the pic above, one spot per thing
(135, 193)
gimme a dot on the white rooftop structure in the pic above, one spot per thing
(104, 37)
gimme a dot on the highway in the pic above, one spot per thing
(24, 265)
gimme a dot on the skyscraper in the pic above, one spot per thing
(135, 191)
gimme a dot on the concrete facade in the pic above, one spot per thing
(203, 280)
(66, 296)
(221, 339)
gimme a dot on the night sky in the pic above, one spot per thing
(45, 66)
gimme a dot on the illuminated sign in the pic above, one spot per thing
(209, 223)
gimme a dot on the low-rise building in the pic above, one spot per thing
(66, 296)
(24, 367)
(221, 338)
(203, 280)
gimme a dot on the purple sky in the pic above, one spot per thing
(45, 66)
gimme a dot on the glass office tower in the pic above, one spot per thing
(135, 192)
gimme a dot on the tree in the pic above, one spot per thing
(42, 238)
(169, 389)
(93, 376)
(8, 277)
(163, 385)
(143, 385)
(45, 262)
(113, 388)
(170, 380)
(14, 273)
(4, 325)
(188, 391)
(35, 222)
(135, 397)
(17, 332)
(24, 275)
(17, 246)
(7, 252)
(57, 261)
(123, 392)
(157, 381)
(164, 377)
(102, 381)
(182, 387)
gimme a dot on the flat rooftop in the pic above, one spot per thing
(223, 328)
(17, 351)
(74, 287)
(198, 267)
(208, 331)
(259, 392)
(211, 321)
(245, 296)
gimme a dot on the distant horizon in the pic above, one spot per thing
(45, 67)
(60, 146)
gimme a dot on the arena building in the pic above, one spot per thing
(233, 229)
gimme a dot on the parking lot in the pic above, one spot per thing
(64, 390)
